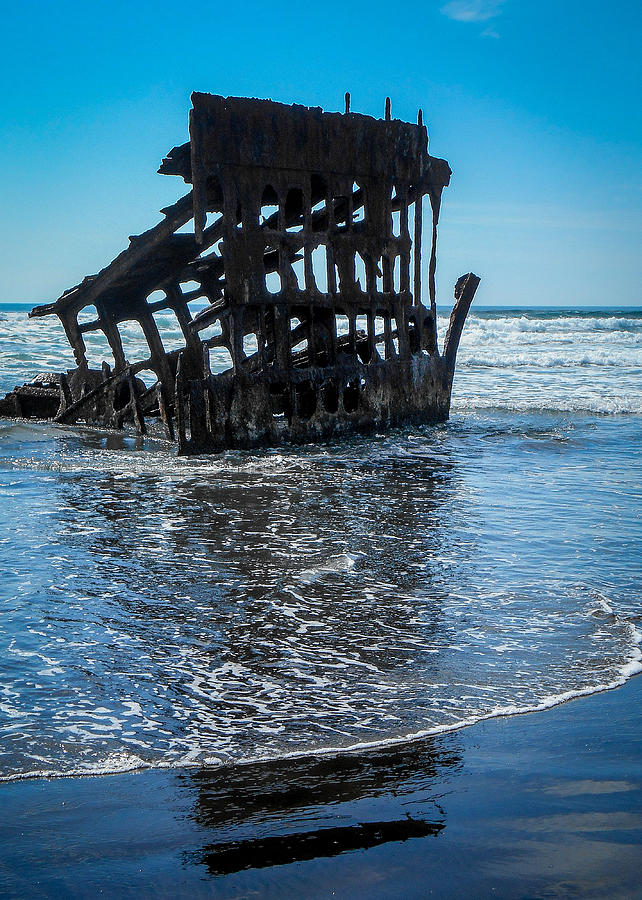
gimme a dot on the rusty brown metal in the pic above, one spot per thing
(313, 251)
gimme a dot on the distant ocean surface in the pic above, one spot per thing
(157, 611)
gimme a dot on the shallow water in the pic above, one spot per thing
(160, 611)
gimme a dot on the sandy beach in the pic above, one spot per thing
(547, 804)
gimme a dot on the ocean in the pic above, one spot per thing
(164, 612)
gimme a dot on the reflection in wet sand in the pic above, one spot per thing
(303, 809)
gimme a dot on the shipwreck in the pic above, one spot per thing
(296, 254)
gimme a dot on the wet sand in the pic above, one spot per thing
(547, 804)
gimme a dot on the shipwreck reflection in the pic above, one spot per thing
(262, 604)
(301, 809)
(251, 541)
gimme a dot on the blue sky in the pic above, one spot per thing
(536, 105)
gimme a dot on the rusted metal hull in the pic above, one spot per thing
(237, 410)
(303, 264)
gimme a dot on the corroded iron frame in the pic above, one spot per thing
(347, 187)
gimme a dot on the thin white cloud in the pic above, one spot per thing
(472, 10)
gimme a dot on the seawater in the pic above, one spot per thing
(157, 611)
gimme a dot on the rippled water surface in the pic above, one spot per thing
(161, 611)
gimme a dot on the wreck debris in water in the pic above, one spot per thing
(303, 264)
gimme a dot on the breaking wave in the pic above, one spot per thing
(550, 361)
